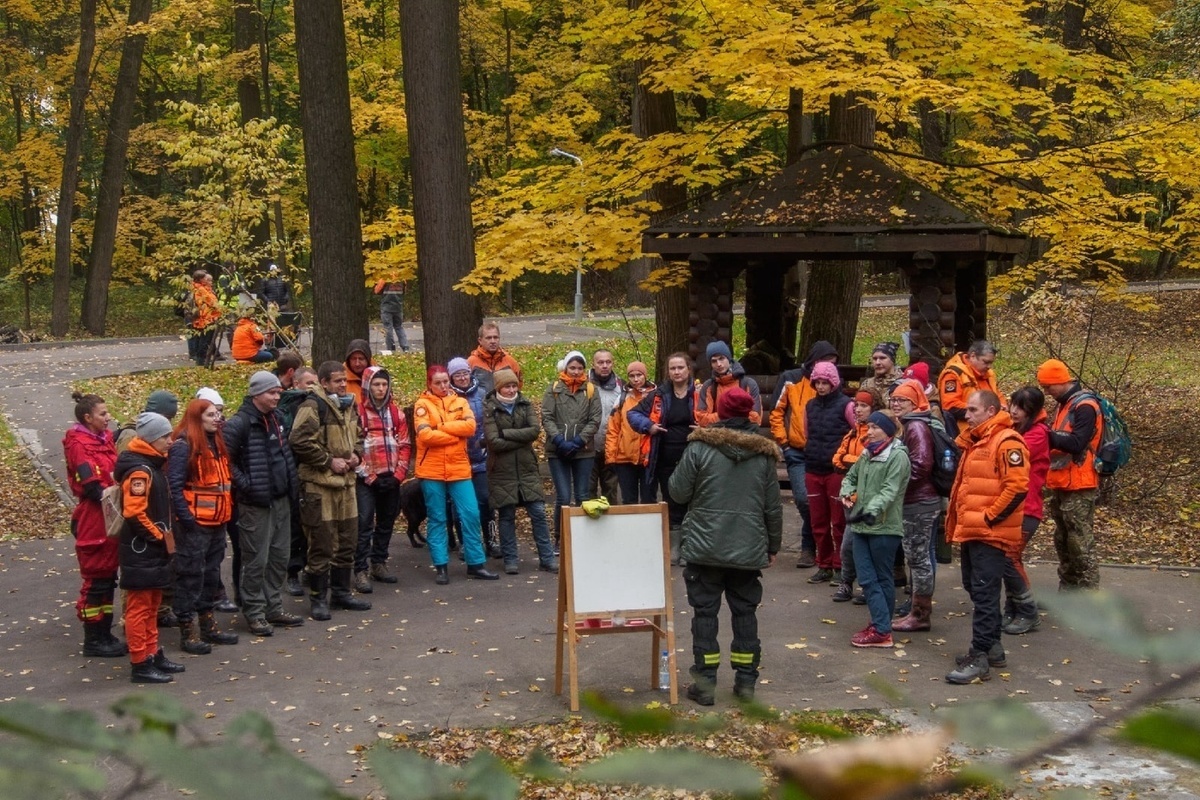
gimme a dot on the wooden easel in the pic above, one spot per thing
(615, 577)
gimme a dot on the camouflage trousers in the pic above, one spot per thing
(1073, 513)
(330, 520)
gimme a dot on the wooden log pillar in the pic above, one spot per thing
(970, 313)
(932, 304)
(710, 310)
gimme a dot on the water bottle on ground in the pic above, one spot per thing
(664, 671)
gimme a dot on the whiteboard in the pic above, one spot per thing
(618, 562)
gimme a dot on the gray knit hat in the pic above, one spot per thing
(151, 426)
(263, 381)
(162, 402)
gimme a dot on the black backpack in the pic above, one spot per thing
(946, 455)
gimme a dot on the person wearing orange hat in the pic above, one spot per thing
(963, 374)
(1072, 479)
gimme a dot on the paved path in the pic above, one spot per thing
(481, 654)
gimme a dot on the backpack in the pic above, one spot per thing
(112, 503)
(185, 305)
(946, 455)
(1116, 445)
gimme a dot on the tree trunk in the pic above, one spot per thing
(339, 310)
(441, 194)
(60, 307)
(112, 174)
(835, 287)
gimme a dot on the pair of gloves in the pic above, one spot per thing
(566, 448)
(865, 517)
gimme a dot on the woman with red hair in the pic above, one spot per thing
(445, 423)
(199, 479)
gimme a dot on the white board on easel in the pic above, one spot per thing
(615, 568)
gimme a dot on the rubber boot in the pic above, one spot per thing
(210, 633)
(443, 575)
(919, 618)
(491, 539)
(147, 672)
(164, 664)
(189, 638)
(702, 690)
(340, 595)
(97, 643)
(676, 535)
(108, 634)
(318, 586)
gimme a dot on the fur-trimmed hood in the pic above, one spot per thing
(737, 439)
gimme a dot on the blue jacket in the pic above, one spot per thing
(477, 444)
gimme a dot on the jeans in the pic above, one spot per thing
(663, 469)
(603, 482)
(875, 558)
(636, 485)
(377, 511)
(983, 575)
(393, 329)
(536, 509)
(570, 475)
(462, 494)
(794, 459)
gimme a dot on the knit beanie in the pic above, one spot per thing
(918, 372)
(735, 402)
(888, 349)
(211, 395)
(864, 396)
(263, 381)
(574, 355)
(151, 427)
(883, 422)
(717, 348)
(637, 366)
(826, 371)
(911, 391)
(162, 402)
(1052, 372)
(456, 365)
(503, 377)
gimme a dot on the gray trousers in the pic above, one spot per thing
(266, 535)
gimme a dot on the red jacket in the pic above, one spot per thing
(1037, 439)
(90, 458)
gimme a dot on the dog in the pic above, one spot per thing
(412, 506)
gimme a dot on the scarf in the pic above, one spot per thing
(573, 384)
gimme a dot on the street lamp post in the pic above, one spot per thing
(560, 153)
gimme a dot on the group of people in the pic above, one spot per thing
(306, 478)
(205, 303)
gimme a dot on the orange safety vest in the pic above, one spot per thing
(208, 491)
(1075, 473)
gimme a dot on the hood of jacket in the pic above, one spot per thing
(368, 374)
(819, 351)
(358, 346)
(737, 439)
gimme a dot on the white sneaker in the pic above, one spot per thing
(385, 352)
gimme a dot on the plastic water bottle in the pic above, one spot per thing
(664, 671)
(947, 460)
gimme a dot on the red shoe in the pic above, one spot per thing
(869, 637)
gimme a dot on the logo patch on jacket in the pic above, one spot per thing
(1015, 458)
(951, 386)
(137, 486)
(420, 412)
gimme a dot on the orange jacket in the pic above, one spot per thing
(482, 359)
(787, 417)
(853, 443)
(208, 309)
(247, 340)
(1066, 471)
(444, 425)
(710, 393)
(622, 444)
(956, 383)
(988, 498)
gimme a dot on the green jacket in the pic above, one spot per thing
(512, 465)
(727, 479)
(320, 433)
(879, 483)
(571, 415)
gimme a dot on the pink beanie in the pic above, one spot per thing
(826, 370)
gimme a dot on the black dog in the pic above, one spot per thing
(412, 506)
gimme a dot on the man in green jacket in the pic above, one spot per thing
(732, 531)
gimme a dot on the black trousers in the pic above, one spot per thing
(983, 567)
(742, 588)
(198, 557)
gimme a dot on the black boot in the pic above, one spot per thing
(147, 672)
(108, 634)
(491, 539)
(293, 585)
(210, 633)
(482, 573)
(98, 644)
(189, 638)
(164, 664)
(443, 575)
(702, 690)
(318, 585)
(340, 595)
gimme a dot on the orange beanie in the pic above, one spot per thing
(1052, 372)
(911, 390)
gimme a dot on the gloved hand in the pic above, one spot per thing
(92, 491)
(579, 443)
(567, 449)
(557, 441)
(865, 517)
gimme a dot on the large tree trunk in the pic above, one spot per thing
(835, 287)
(441, 193)
(60, 306)
(112, 174)
(339, 310)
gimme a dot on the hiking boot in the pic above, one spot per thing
(210, 633)
(974, 669)
(511, 568)
(98, 642)
(744, 692)
(821, 576)
(549, 566)
(340, 595)
(844, 593)
(189, 638)
(869, 637)
(491, 538)
(699, 696)
(919, 618)
(482, 573)
(108, 636)
(164, 664)
(293, 585)
(443, 575)
(362, 582)
(904, 609)
(807, 560)
(1020, 625)
(260, 627)
(167, 618)
(379, 573)
(318, 588)
(285, 619)
(860, 599)
(996, 657)
(147, 672)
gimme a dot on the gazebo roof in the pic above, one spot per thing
(843, 202)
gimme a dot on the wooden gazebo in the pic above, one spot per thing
(840, 204)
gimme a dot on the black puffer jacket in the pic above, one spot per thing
(512, 464)
(260, 457)
(826, 424)
(145, 563)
